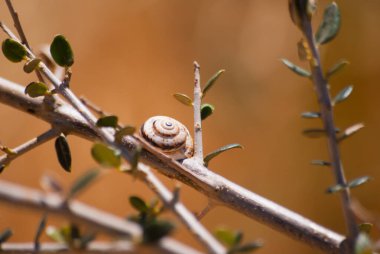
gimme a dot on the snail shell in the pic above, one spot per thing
(169, 135)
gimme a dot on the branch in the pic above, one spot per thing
(27, 146)
(217, 188)
(198, 146)
(327, 116)
(81, 213)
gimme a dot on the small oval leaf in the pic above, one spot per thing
(83, 181)
(218, 151)
(55, 234)
(13, 50)
(61, 51)
(183, 98)
(320, 163)
(31, 65)
(139, 204)
(314, 133)
(226, 236)
(335, 188)
(359, 181)
(156, 230)
(350, 131)
(63, 152)
(206, 110)
(36, 89)
(127, 130)
(343, 94)
(5, 235)
(330, 24)
(311, 115)
(105, 155)
(296, 69)
(336, 68)
(211, 82)
(107, 121)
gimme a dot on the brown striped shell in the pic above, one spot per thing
(169, 135)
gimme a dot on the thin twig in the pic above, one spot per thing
(29, 145)
(198, 146)
(327, 116)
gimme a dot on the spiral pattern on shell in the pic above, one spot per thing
(169, 135)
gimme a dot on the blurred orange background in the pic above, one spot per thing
(131, 56)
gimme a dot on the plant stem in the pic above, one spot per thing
(327, 115)
(198, 146)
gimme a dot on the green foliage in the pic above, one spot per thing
(311, 115)
(183, 98)
(330, 25)
(358, 181)
(70, 235)
(83, 182)
(206, 110)
(153, 227)
(336, 68)
(61, 51)
(13, 50)
(36, 89)
(5, 235)
(343, 94)
(107, 121)
(296, 69)
(210, 83)
(218, 151)
(63, 152)
(127, 130)
(233, 240)
(106, 156)
(32, 65)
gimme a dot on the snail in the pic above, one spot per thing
(169, 136)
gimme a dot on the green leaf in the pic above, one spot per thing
(350, 131)
(156, 230)
(366, 227)
(127, 130)
(206, 110)
(210, 83)
(330, 24)
(363, 244)
(343, 94)
(13, 50)
(218, 151)
(105, 155)
(183, 98)
(226, 236)
(335, 188)
(55, 234)
(296, 69)
(139, 204)
(336, 68)
(83, 182)
(248, 247)
(314, 132)
(107, 121)
(5, 235)
(61, 51)
(320, 163)
(32, 65)
(40, 229)
(63, 152)
(358, 181)
(36, 89)
(311, 115)
(2, 167)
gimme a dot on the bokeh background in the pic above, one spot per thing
(131, 56)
